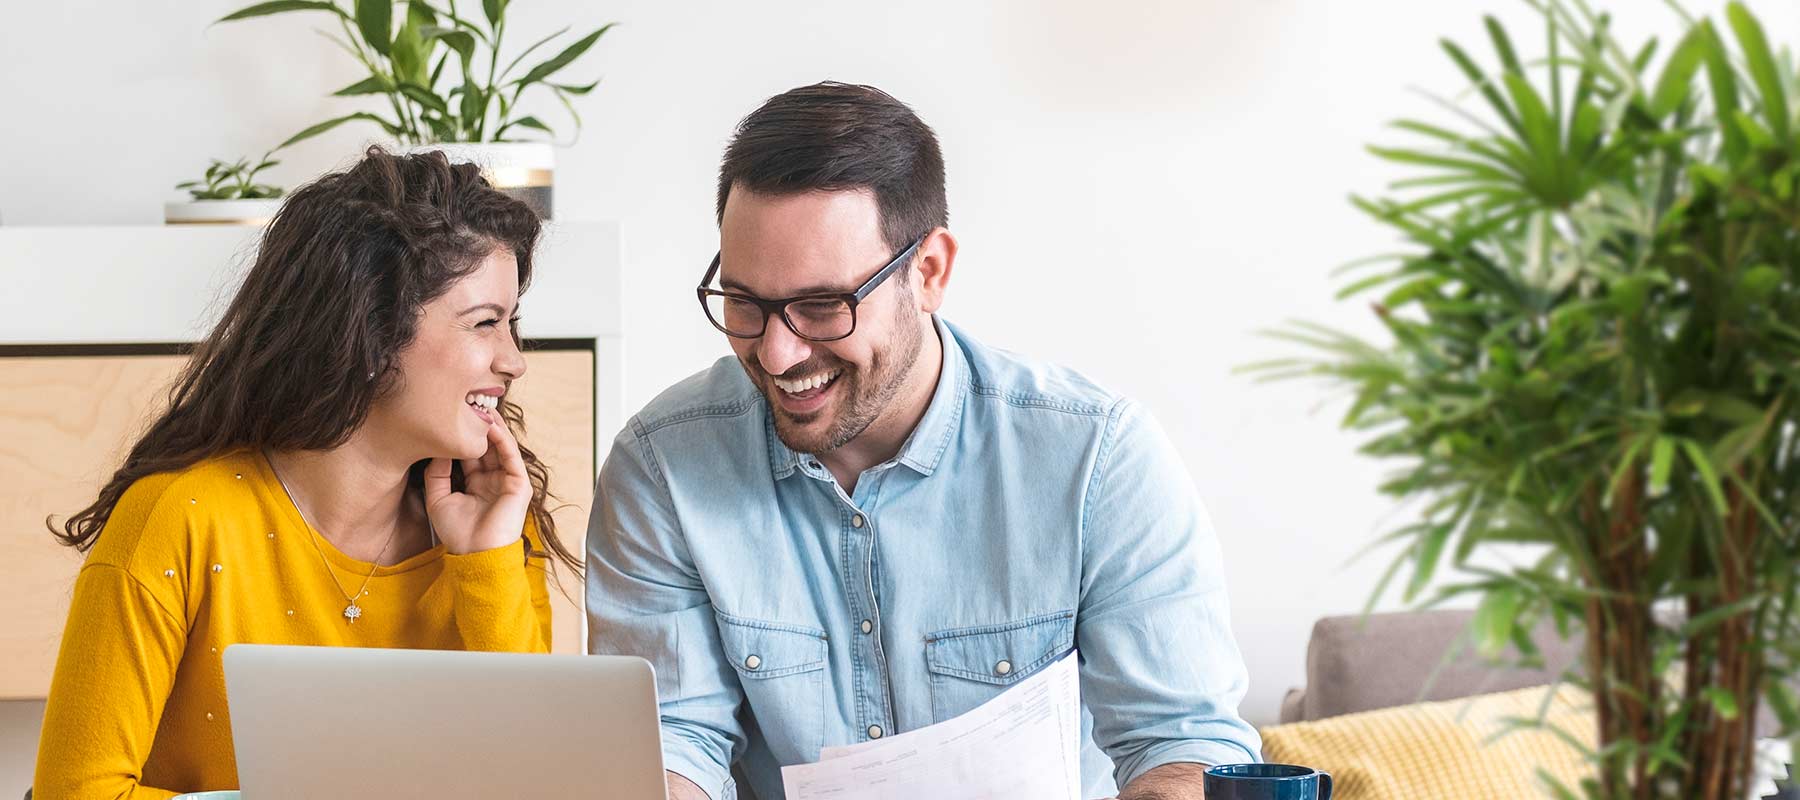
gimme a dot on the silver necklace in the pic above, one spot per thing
(352, 611)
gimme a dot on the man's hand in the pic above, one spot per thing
(1168, 782)
(680, 788)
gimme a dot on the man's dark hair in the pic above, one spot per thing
(836, 137)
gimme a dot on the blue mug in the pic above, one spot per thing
(1267, 782)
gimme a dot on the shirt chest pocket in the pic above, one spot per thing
(970, 666)
(781, 668)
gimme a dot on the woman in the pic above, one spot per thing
(336, 466)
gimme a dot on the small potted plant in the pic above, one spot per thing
(446, 86)
(228, 194)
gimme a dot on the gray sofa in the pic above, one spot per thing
(1357, 663)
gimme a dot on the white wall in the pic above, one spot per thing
(1138, 187)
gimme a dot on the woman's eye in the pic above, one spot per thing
(487, 323)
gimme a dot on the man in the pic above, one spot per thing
(868, 522)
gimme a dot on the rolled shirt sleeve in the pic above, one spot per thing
(1161, 672)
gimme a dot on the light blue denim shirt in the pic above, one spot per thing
(1029, 513)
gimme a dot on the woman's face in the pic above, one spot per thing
(460, 364)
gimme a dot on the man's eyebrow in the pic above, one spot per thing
(803, 291)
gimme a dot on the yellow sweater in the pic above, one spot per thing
(194, 561)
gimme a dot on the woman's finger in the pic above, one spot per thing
(505, 450)
(490, 458)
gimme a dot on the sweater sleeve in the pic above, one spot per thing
(499, 598)
(112, 680)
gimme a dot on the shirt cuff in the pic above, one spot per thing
(1190, 751)
(682, 758)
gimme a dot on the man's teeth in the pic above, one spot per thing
(807, 383)
(483, 401)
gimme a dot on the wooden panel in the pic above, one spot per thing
(64, 425)
(65, 422)
(557, 394)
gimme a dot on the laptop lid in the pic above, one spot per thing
(349, 723)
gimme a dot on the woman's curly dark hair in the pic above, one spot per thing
(335, 295)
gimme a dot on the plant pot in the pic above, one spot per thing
(220, 212)
(525, 170)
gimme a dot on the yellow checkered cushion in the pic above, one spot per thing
(1449, 749)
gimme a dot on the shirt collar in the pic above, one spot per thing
(925, 447)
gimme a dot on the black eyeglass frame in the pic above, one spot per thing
(779, 307)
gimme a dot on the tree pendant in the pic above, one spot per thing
(352, 611)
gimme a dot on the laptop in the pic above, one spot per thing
(351, 723)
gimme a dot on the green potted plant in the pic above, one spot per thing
(446, 85)
(1594, 359)
(227, 194)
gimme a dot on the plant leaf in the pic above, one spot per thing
(410, 54)
(1494, 619)
(459, 40)
(1480, 79)
(1428, 548)
(281, 7)
(576, 90)
(1709, 477)
(525, 122)
(375, 19)
(1678, 74)
(562, 59)
(391, 128)
(528, 51)
(1722, 78)
(374, 84)
(474, 107)
(425, 97)
(1762, 67)
(1722, 699)
(1662, 460)
(1503, 45)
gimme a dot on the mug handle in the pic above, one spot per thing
(1324, 785)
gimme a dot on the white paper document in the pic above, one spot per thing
(1024, 743)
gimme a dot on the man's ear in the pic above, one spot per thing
(932, 267)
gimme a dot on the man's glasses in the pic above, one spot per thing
(814, 317)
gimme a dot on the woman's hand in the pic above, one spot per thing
(490, 511)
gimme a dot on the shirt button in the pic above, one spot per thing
(867, 626)
(856, 521)
(874, 731)
(753, 662)
(1003, 668)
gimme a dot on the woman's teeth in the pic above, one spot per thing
(807, 383)
(486, 402)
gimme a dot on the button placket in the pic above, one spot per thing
(863, 538)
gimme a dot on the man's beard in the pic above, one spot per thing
(862, 396)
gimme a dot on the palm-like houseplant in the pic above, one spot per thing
(1595, 353)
